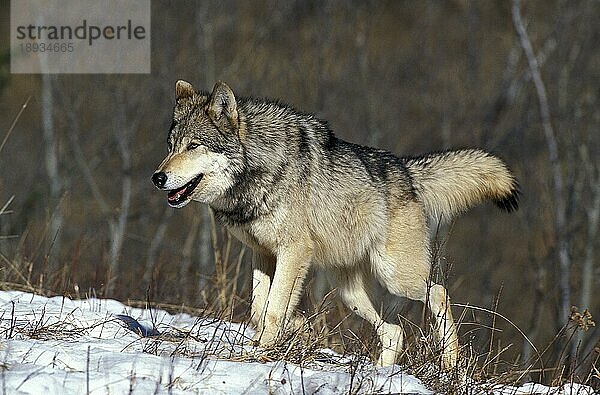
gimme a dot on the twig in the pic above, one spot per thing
(3, 209)
(495, 313)
(14, 123)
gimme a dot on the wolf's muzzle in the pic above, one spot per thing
(159, 179)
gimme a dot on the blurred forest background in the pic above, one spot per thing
(80, 216)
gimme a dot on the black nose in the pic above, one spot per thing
(159, 179)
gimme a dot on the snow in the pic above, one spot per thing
(63, 346)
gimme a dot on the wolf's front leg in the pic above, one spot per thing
(263, 269)
(291, 268)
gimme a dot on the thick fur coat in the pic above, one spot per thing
(285, 185)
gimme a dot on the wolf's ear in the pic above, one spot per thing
(222, 102)
(183, 90)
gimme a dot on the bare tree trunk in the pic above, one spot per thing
(51, 159)
(5, 209)
(82, 162)
(560, 227)
(593, 217)
(156, 243)
(587, 275)
(51, 162)
(362, 42)
(540, 282)
(124, 128)
(206, 252)
(188, 248)
(117, 225)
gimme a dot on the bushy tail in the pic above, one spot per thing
(451, 182)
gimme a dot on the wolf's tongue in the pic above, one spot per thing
(174, 195)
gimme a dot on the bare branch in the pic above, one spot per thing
(82, 162)
(156, 243)
(551, 142)
(4, 208)
(14, 123)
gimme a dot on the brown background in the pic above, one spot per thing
(408, 76)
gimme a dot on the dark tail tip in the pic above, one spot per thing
(510, 202)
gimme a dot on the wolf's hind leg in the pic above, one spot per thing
(263, 269)
(439, 304)
(360, 292)
(402, 265)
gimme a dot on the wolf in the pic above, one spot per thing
(285, 185)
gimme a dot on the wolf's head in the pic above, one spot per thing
(204, 146)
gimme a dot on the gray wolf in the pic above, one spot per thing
(285, 185)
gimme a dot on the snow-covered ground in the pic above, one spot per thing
(62, 346)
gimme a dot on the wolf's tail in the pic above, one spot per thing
(451, 182)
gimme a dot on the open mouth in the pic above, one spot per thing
(177, 197)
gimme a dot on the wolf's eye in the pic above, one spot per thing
(192, 146)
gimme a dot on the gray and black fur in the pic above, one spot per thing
(284, 184)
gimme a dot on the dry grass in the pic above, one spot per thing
(357, 347)
(325, 324)
(328, 325)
